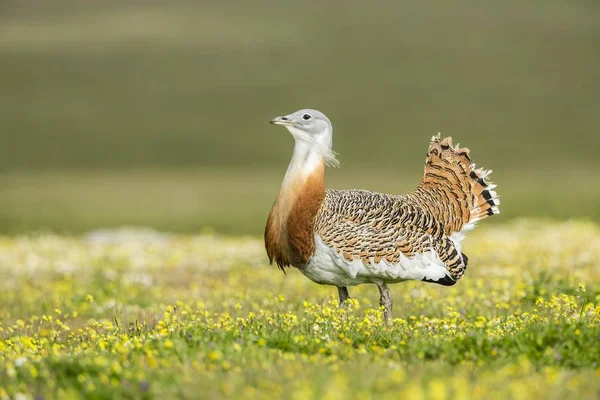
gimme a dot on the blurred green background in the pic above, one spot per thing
(156, 113)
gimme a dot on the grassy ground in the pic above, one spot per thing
(140, 315)
(236, 201)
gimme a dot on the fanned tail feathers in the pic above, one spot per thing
(485, 197)
(449, 169)
(468, 194)
(454, 195)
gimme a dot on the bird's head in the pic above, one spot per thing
(310, 128)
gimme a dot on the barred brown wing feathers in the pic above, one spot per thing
(367, 226)
(455, 261)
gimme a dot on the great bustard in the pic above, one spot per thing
(348, 237)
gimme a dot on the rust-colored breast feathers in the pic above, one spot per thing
(289, 234)
(301, 220)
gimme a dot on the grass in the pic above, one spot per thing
(138, 314)
(236, 201)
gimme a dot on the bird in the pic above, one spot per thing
(350, 237)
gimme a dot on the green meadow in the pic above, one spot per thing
(140, 314)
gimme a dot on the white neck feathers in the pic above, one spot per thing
(310, 154)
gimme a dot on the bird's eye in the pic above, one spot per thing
(306, 117)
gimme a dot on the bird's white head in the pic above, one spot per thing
(313, 134)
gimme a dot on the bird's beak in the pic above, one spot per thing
(281, 121)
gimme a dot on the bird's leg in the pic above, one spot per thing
(343, 293)
(386, 301)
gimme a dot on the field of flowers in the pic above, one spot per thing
(140, 314)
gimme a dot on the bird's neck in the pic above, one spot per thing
(304, 181)
(306, 161)
(289, 232)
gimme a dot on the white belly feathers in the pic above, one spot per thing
(326, 266)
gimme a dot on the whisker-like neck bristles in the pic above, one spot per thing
(310, 154)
